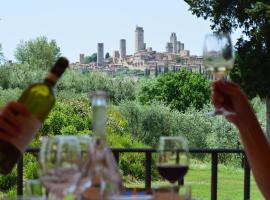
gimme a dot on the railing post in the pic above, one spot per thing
(148, 159)
(116, 156)
(20, 177)
(246, 180)
(214, 167)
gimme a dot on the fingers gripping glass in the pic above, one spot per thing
(218, 59)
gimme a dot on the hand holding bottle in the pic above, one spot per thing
(21, 121)
(9, 123)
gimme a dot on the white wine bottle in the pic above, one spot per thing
(39, 99)
(103, 167)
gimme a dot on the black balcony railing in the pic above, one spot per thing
(148, 158)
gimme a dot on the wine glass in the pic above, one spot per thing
(173, 159)
(60, 159)
(85, 179)
(218, 59)
(34, 190)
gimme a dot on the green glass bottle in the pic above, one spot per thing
(39, 99)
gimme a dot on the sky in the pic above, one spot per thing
(77, 26)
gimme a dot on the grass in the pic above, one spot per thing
(230, 183)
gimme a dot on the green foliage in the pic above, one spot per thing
(8, 181)
(131, 164)
(19, 75)
(1, 54)
(38, 53)
(94, 57)
(107, 55)
(31, 166)
(177, 90)
(68, 117)
(87, 59)
(252, 62)
(118, 88)
(8, 95)
(178, 59)
(149, 122)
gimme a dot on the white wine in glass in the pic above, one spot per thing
(218, 59)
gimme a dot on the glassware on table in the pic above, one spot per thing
(85, 179)
(34, 189)
(173, 159)
(60, 159)
(131, 197)
(185, 192)
(218, 59)
(102, 168)
(161, 193)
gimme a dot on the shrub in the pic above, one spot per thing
(8, 181)
(7, 95)
(149, 122)
(19, 76)
(177, 90)
(118, 88)
(68, 117)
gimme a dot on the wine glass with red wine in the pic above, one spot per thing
(173, 158)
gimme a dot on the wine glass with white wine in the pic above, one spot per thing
(218, 59)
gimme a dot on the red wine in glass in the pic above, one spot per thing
(172, 173)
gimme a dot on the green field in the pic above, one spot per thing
(230, 183)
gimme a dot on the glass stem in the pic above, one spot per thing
(173, 186)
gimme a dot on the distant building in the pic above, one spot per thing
(100, 54)
(182, 47)
(81, 58)
(123, 50)
(184, 53)
(139, 39)
(178, 47)
(116, 54)
(169, 47)
(173, 40)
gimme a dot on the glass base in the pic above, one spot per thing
(220, 111)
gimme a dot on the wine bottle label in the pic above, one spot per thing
(30, 126)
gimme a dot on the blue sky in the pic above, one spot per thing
(79, 25)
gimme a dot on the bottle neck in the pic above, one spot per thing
(99, 123)
(51, 79)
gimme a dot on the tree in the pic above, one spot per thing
(252, 64)
(178, 59)
(107, 55)
(94, 57)
(1, 54)
(39, 52)
(87, 59)
(178, 90)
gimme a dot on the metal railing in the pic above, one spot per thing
(148, 165)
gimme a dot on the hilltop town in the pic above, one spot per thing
(144, 58)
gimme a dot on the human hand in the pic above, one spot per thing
(9, 122)
(230, 96)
